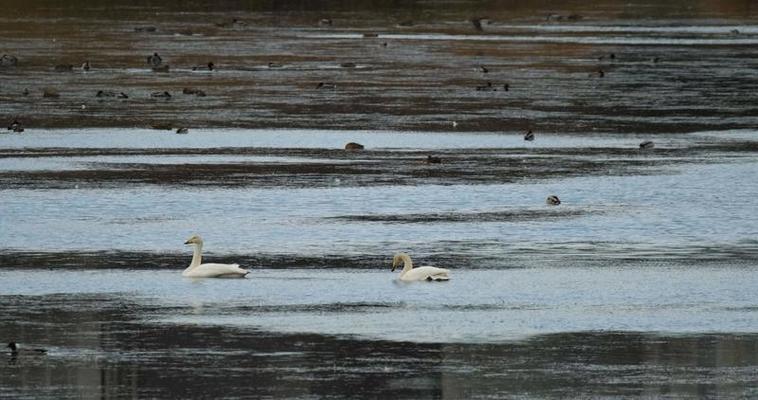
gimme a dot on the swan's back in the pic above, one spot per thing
(217, 271)
(426, 273)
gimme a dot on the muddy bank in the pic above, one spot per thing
(415, 66)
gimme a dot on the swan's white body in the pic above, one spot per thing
(198, 270)
(425, 273)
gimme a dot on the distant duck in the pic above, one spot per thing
(648, 144)
(611, 56)
(182, 130)
(15, 126)
(486, 87)
(430, 159)
(105, 93)
(154, 61)
(122, 95)
(207, 67)
(552, 200)
(529, 136)
(161, 95)
(145, 29)
(483, 69)
(655, 60)
(325, 22)
(86, 66)
(25, 92)
(370, 35)
(506, 87)
(274, 65)
(64, 68)
(347, 65)
(599, 73)
(354, 146)
(8, 61)
(50, 93)
(477, 23)
(16, 351)
(196, 92)
(326, 85)
(735, 31)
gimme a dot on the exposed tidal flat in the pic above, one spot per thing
(640, 284)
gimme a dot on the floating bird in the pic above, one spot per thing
(552, 200)
(325, 22)
(25, 92)
(15, 126)
(182, 130)
(198, 270)
(483, 69)
(86, 66)
(50, 93)
(274, 65)
(529, 136)
(354, 146)
(207, 67)
(326, 85)
(370, 35)
(433, 159)
(347, 65)
(196, 92)
(161, 95)
(154, 61)
(648, 144)
(8, 61)
(506, 87)
(105, 93)
(486, 88)
(16, 351)
(424, 273)
(477, 22)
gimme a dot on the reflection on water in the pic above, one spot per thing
(101, 347)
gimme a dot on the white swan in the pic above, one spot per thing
(198, 270)
(418, 274)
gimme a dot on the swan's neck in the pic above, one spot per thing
(197, 256)
(407, 263)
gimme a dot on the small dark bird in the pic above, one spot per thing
(655, 59)
(483, 69)
(486, 88)
(326, 85)
(8, 61)
(506, 87)
(648, 144)
(122, 95)
(274, 65)
(86, 66)
(25, 92)
(529, 136)
(155, 60)
(552, 200)
(477, 22)
(325, 22)
(15, 126)
(105, 93)
(207, 67)
(354, 146)
(182, 130)
(15, 351)
(347, 65)
(433, 159)
(161, 95)
(600, 73)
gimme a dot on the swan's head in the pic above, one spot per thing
(398, 260)
(194, 239)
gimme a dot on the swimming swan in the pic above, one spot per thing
(417, 274)
(198, 270)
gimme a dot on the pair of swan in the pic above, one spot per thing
(198, 270)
